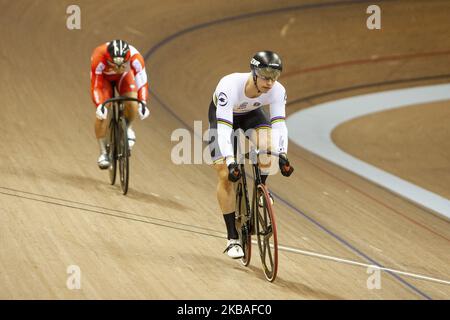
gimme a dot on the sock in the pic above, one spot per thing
(231, 227)
(264, 178)
(102, 145)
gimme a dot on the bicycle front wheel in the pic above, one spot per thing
(242, 224)
(112, 152)
(266, 232)
(123, 155)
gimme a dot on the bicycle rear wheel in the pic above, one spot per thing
(123, 156)
(266, 232)
(242, 225)
(112, 152)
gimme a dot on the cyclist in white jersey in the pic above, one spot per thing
(237, 104)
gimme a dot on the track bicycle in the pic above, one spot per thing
(257, 218)
(117, 141)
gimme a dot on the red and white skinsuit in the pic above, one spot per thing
(103, 76)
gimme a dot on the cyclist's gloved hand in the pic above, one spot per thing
(102, 112)
(285, 166)
(234, 173)
(143, 111)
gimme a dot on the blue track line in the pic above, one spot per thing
(350, 246)
(289, 205)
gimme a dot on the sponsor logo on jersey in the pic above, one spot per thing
(100, 68)
(281, 145)
(257, 104)
(137, 65)
(243, 105)
(222, 99)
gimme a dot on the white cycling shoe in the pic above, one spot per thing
(131, 137)
(234, 249)
(103, 161)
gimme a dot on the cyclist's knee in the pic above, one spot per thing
(131, 104)
(130, 94)
(264, 139)
(222, 174)
(222, 171)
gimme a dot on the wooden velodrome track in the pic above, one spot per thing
(164, 240)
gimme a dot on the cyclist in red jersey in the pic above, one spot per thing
(116, 65)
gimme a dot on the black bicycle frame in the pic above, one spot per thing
(256, 180)
(253, 155)
(117, 113)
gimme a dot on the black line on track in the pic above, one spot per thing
(116, 215)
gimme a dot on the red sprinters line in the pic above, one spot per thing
(366, 61)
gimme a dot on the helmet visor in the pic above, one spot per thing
(268, 73)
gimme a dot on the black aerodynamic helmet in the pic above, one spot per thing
(118, 51)
(266, 64)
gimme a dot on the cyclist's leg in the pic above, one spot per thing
(264, 142)
(101, 125)
(225, 190)
(131, 107)
(226, 198)
(127, 87)
(257, 127)
(100, 129)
